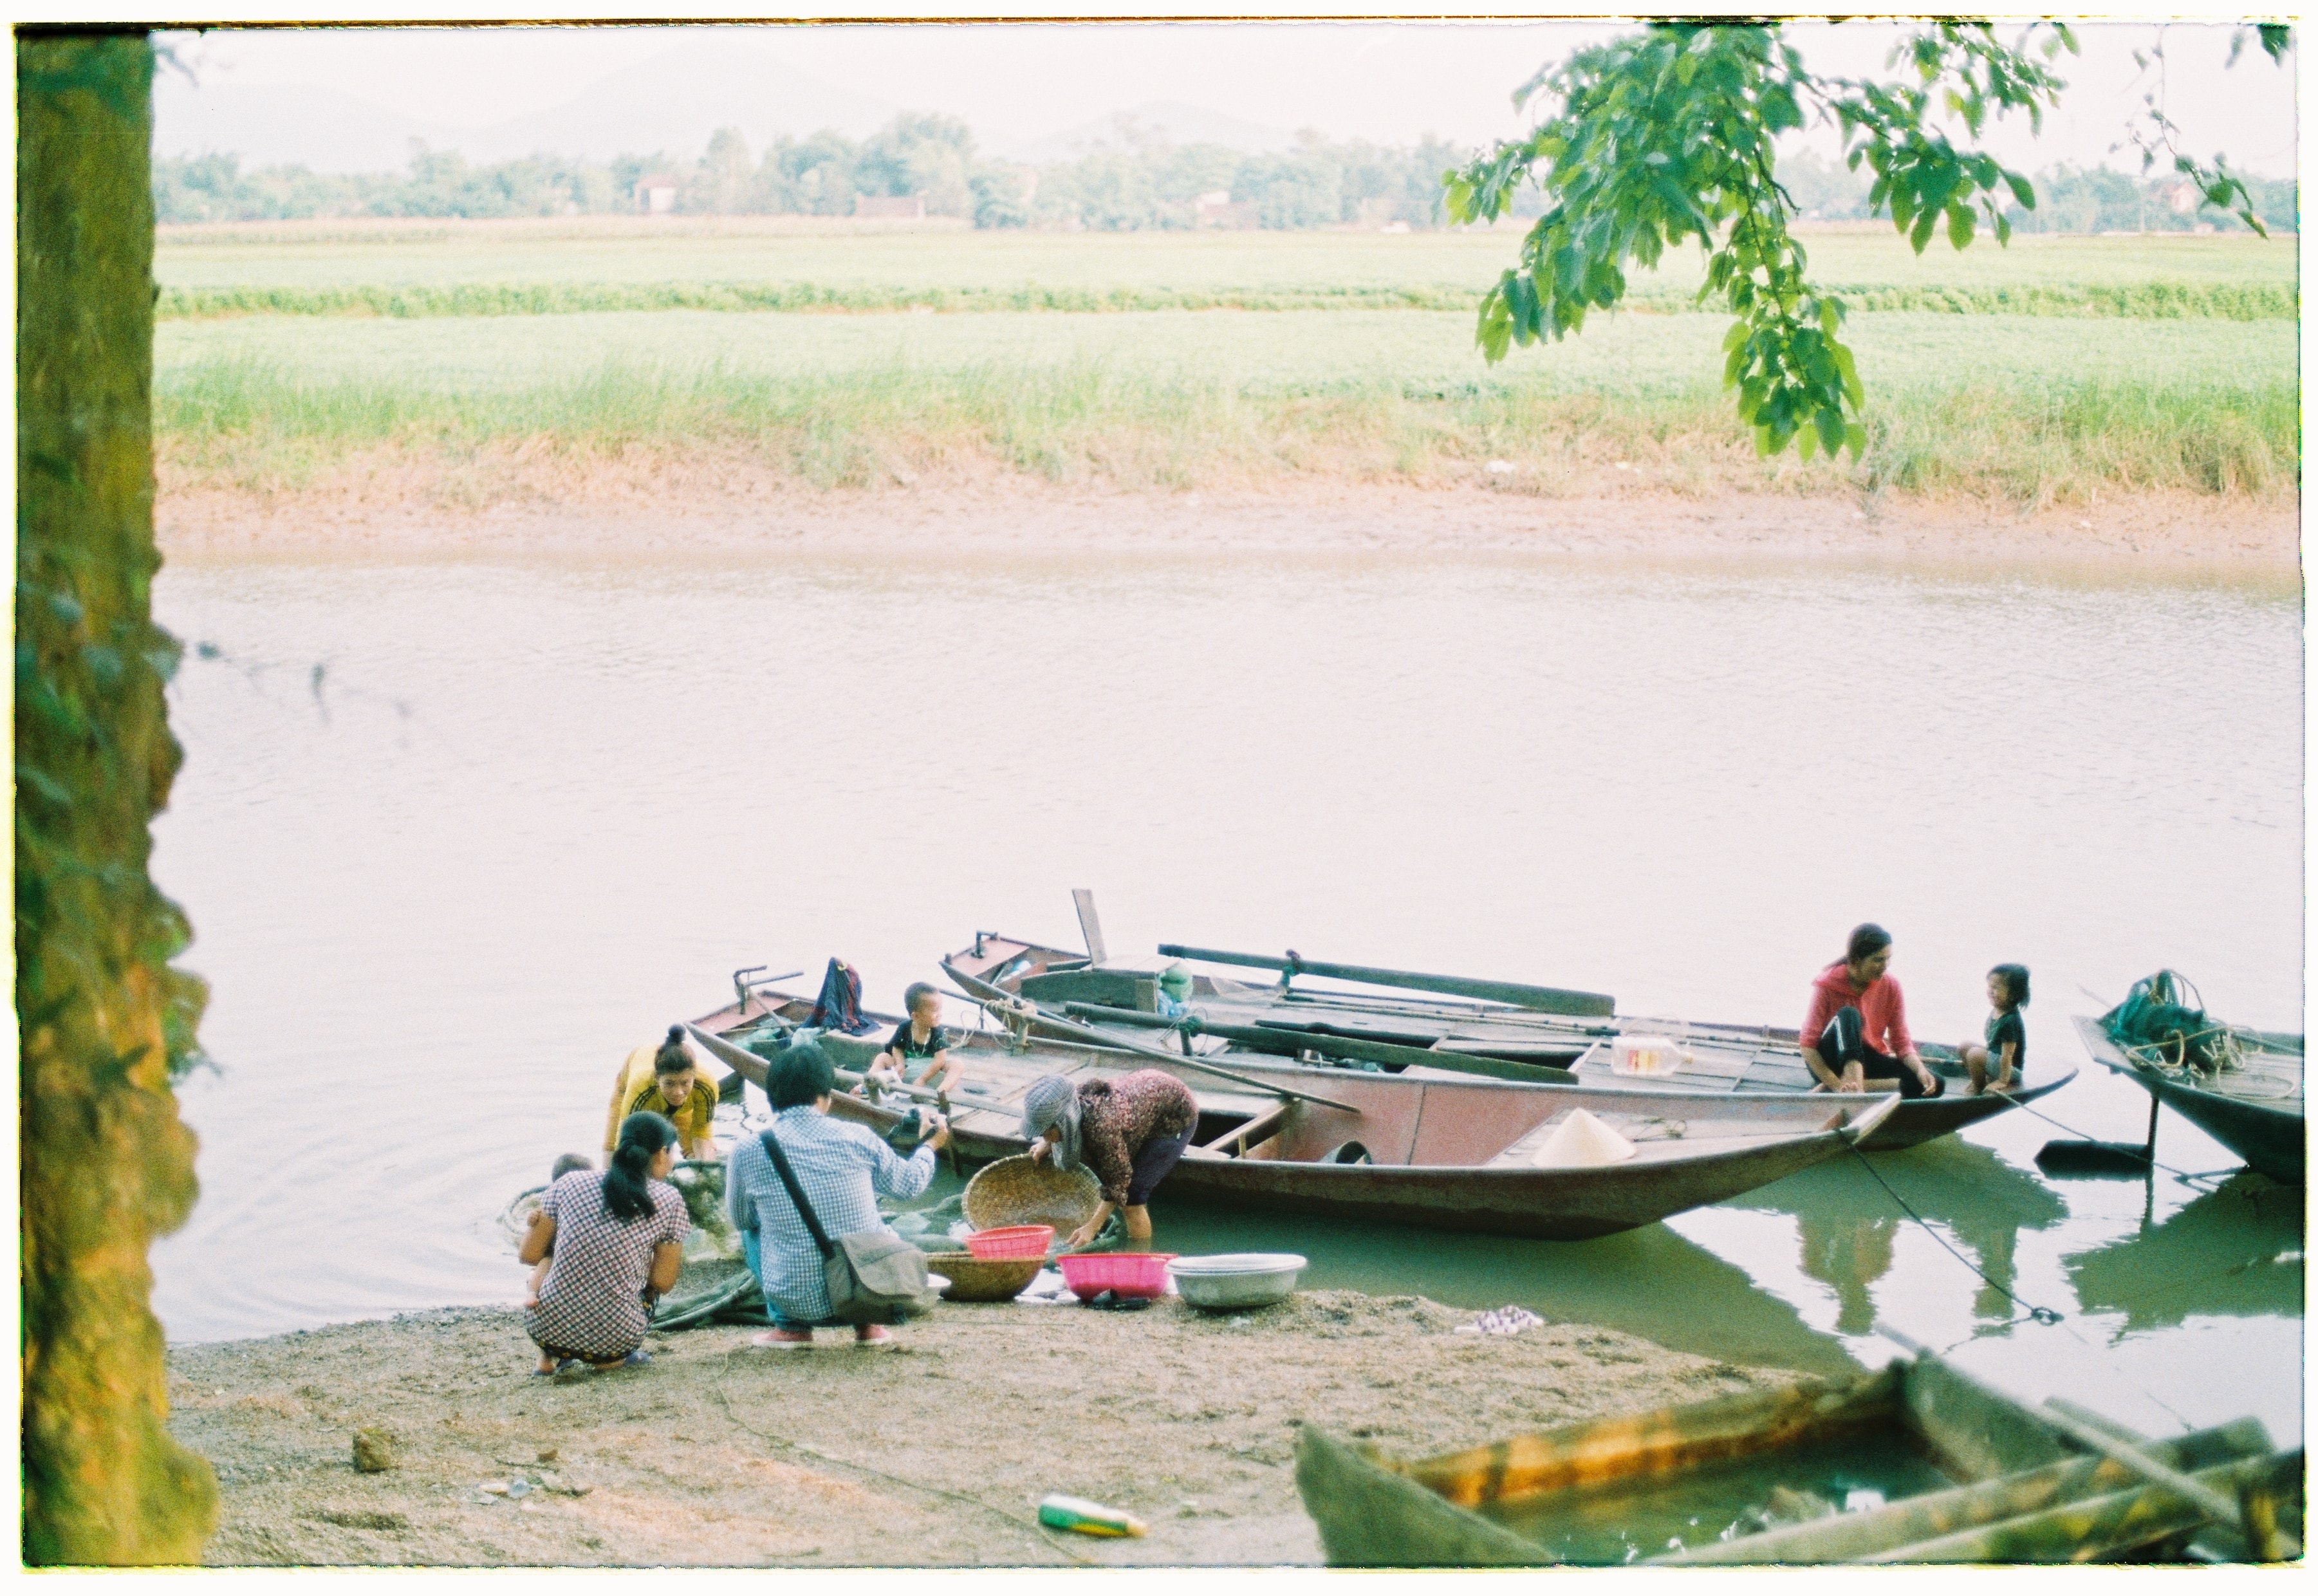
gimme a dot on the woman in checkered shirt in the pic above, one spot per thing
(613, 1235)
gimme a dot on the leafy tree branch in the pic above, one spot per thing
(1665, 136)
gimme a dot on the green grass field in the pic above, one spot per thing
(1137, 270)
(2201, 396)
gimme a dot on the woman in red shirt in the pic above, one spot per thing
(1856, 1035)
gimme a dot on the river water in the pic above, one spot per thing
(456, 835)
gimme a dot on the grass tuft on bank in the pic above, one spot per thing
(253, 426)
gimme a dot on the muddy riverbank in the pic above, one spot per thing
(935, 1451)
(725, 510)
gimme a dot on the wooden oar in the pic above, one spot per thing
(1072, 1027)
(1281, 1039)
(1521, 995)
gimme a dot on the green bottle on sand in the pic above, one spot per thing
(1088, 1518)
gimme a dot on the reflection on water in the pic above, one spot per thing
(2237, 1250)
(1648, 1282)
(539, 811)
(1850, 1222)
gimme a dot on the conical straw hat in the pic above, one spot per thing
(1581, 1142)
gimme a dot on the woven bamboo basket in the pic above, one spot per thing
(984, 1279)
(1016, 1191)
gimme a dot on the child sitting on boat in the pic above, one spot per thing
(2005, 1039)
(917, 1054)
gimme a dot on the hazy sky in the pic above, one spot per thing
(1388, 81)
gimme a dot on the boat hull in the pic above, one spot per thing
(1543, 1205)
(1437, 1152)
(2275, 1141)
(1001, 964)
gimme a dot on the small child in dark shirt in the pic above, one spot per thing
(2004, 1043)
(564, 1166)
(917, 1054)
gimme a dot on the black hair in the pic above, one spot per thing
(674, 1055)
(919, 990)
(1867, 941)
(2016, 982)
(570, 1163)
(801, 1074)
(627, 1193)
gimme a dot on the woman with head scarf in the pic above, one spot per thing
(1130, 1130)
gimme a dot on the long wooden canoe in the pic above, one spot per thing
(1444, 1151)
(1724, 1057)
(2254, 1109)
(1961, 1475)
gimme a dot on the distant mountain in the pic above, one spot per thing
(284, 124)
(1171, 119)
(672, 102)
(675, 99)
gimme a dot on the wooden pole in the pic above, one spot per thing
(1072, 1027)
(1519, 994)
(1282, 1040)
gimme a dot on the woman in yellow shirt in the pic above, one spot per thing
(666, 1081)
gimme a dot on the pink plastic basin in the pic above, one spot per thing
(1011, 1241)
(1129, 1274)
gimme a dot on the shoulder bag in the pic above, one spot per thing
(874, 1276)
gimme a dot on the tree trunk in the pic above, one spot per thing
(104, 1022)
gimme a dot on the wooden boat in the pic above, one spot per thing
(1915, 1464)
(1442, 1149)
(2252, 1106)
(1722, 1057)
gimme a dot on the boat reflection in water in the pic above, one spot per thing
(1650, 1282)
(2236, 1252)
(1850, 1225)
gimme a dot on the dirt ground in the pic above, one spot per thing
(398, 512)
(935, 1451)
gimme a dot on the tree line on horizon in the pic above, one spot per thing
(1143, 182)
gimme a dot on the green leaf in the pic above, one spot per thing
(2023, 191)
(1921, 234)
(1830, 431)
(1850, 370)
(1960, 225)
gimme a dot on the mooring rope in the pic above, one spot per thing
(2212, 1177)
(2040, 1315)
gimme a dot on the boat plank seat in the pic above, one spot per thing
(1236, 1142)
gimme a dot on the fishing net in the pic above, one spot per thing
(2162, 1023)
(2162, 1026)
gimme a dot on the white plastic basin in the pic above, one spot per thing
(1225, 1280)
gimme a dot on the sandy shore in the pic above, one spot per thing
(932, 1452)
(739, 515)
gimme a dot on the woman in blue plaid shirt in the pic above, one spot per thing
(842, 1168)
